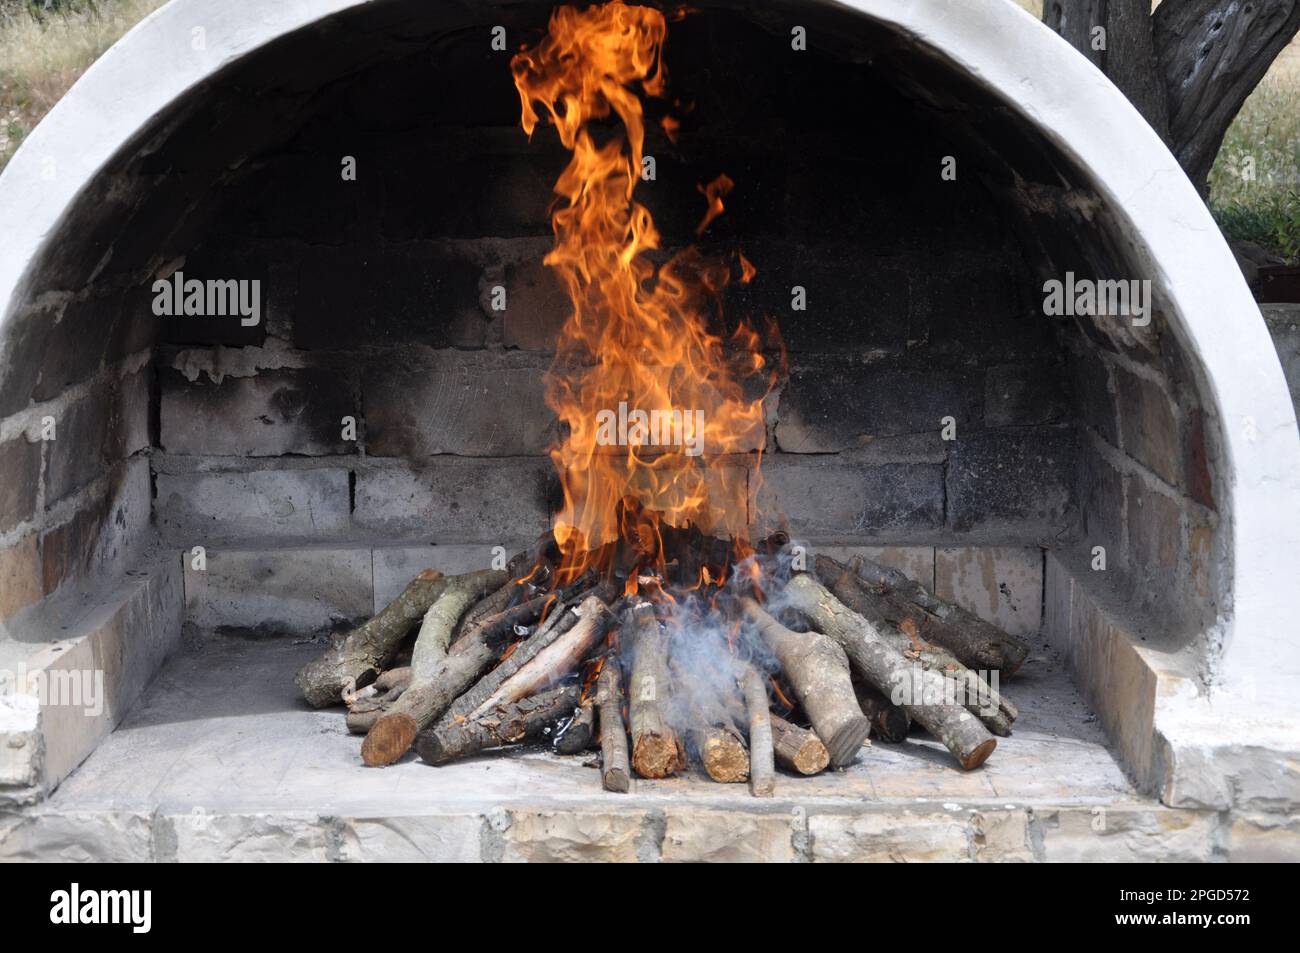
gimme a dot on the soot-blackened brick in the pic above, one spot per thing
(275, 412)
(854, 302)
(1020, 476)
(408, 294)
(464, 403)
(828, 408)
(823, 500)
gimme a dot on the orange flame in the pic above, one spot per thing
(650, 395)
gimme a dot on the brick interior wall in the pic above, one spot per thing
(924, 302)
(920, 307)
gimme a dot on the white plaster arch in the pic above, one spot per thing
(999, 46)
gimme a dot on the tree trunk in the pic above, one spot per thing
(1127, 54)
(1213, 53)
(1188, 67)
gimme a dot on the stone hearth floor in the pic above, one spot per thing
(222, 760)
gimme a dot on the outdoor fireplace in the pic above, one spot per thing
(370, 401)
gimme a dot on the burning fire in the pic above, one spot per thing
(650, 393)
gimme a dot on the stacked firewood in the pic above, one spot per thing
(775, 667)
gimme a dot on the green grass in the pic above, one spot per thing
(1255, 183)
(43, 53)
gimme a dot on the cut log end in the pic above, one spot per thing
(388, 739)
(656, 755)
(845, 744)
(616, 780)
(725, 757)
(978, 754)
(811, 757)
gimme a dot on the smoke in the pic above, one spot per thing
(711, 644)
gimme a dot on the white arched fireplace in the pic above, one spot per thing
(1123, 490)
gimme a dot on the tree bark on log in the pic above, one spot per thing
(389, 686)
(560, 619)
(437, 676)
(369, 648)
(762, 771)
(818, 670)
(615, 772)
(656, 750)
(557, 659)
(797, 749)
(888, 721)
(979, 697)
(522, 720)
(884, 667)
(897, 599)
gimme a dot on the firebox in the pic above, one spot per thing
(279, 330)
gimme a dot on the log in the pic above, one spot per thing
(656, 750)
(885, 668)
(797, 749)
(976, 643)
(499, 627)
(979, 697)
(557, 624)
(818, 670)
(762, 771)
(579, 731)
(556, 660)
(714, 736)
(615, 774)
(368, 649)
(389, 686)
(888, 721)
(394, 678)
(522, 720)
(437, 676)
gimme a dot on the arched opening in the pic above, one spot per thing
(919, 203)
